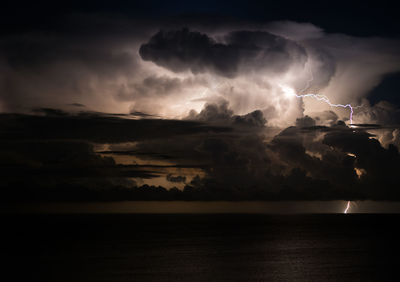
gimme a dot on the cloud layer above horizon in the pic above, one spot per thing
(205, 109)
(167, 69)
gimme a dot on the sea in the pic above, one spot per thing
(61, 246)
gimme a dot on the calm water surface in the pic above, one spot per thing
(202, 247)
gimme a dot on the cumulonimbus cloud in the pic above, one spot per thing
(239, 51)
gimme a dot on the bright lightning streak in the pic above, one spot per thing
(318, 97)
(325, 99)
(347, 207)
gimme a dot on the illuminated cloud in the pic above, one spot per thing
(215, 112)
(167, 70)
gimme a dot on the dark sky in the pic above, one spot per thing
(361, 18)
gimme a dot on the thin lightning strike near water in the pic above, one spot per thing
(347, 207)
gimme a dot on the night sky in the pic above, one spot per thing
(156, 100)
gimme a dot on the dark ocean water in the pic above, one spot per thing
(208, 247)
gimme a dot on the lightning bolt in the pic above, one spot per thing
(291, 92)
(325, 99)
(319, 97)
(347, 207)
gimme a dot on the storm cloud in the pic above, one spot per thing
(239, 51)
(133, 109)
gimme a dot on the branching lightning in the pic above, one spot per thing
(318, 97)
(325, 99)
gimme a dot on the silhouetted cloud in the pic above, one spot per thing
(181, 50)
(177, 178)
(220, 113)
(301, 162)
(79, 105)
(95, 127)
